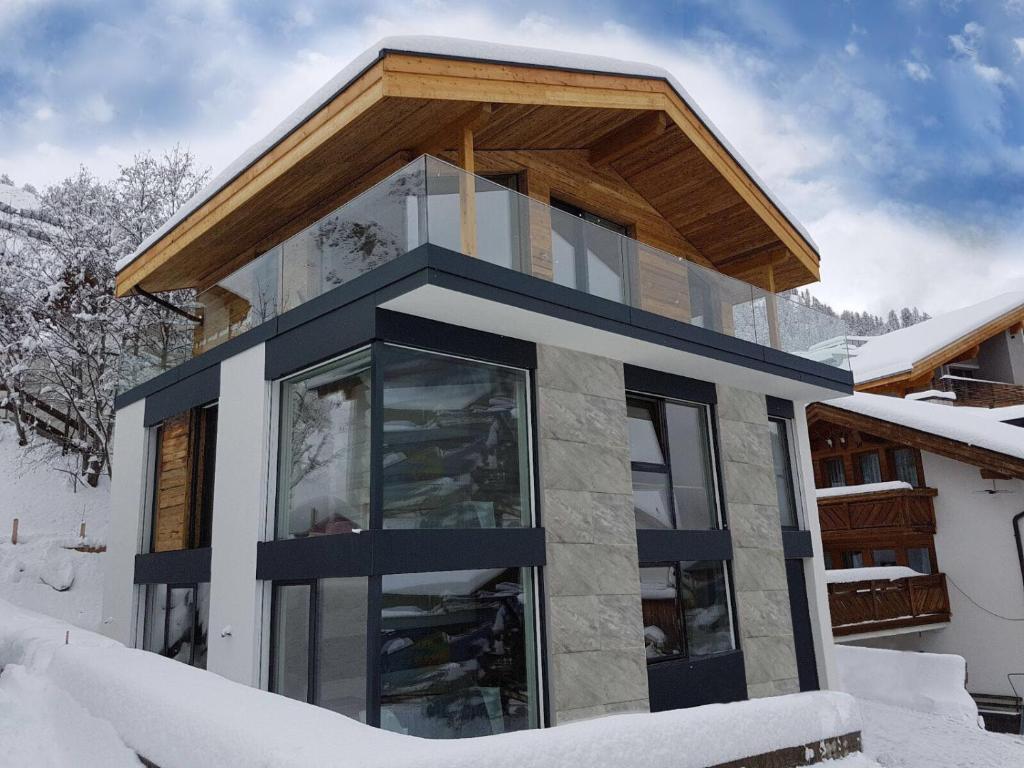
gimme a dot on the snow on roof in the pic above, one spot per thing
(451, 47)
(897, 351)
(932, 394)
(853, 490)
(872, 573)
(964, 425)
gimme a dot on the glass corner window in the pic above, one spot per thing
(324, 457)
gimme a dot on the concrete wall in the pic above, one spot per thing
(128, 494)
(596, 658)
(239, 504)
(976, 550)
(759, 567)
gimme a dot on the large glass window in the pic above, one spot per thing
(686, 609)
(673, 483)
(905, 462)
(778, 429)
(177, 621)
(870, 468)
(324, 460)
(455, 443)
(457, 653)
(319, 643)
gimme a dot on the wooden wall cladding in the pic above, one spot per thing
(905, 509)
(172, 518)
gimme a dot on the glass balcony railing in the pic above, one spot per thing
(431, 201)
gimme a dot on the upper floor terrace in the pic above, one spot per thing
(596, 176)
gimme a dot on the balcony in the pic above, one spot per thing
(431, 201)
(906, 509)
(860, 607)
(981, 393)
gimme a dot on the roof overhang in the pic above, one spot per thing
(394, 103)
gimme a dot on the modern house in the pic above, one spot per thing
(490, 416)
(932, 482)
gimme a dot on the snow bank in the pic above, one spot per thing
(932, 683)
(177, 716)
(931, 394)
(873, 573)
(851, 490)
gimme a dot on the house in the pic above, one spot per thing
(921, 497)
(492, 417)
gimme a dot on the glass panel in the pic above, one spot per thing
(605, 269)
(884, 557)
(783, 473)
(181, 612)
(651, 502)
(853, 559)
(290, 675)
(324, 466)
(202, 625)
(153, 635)
(565, 233)
(920, 559)
(906, 466)
(645, 439)
(457, 653)
(663, 627)
(870, 469)
(242, 300)
(341, 647)
(704, 591)
(835, 473)
(455, 443)
(692, 486)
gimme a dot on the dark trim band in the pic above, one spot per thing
(779, 408)
(797, 544)
(183, 566)
(198, 389)
(661, 546)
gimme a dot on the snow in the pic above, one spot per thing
(873, 573)
(176, 715)
(935, 394)
(932, 683)
(17, 198)
(897, 351)
(50, 512)
(964, 425)
(1005, 413)
(850, 490)
(455, 48)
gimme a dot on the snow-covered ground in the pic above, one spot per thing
(41, 572)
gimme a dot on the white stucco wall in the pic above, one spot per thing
(239, 504)
(976, 550)
(127, 500)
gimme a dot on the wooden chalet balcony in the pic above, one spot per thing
(981, 393)
(432, 201)
(908, 509)
(871, 606)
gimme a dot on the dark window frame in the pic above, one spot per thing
(168, 586)
(785, 430)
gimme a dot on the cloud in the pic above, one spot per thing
(1018, 43)
(851, 48)
(917, 70)
(966, 45)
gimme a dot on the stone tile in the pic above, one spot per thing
(562, 717)
(749, 484)
(592, 569)
(584, 517)
(574, 623)
(627, 707)
(754, 525)
(773, 688)
(572, 371)
(578, 681)
(754, 570)
(741, 405)
(624, 676)
(764, 614)
(621, 623)
(768, 659)
(746, 443)
(614, 518)
(582, 418)
(580, 467)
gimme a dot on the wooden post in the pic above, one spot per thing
(467, 192)
(774, 339)
(14, 532)
(81, 530)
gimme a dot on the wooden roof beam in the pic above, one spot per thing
(633, 135)
(451, 135)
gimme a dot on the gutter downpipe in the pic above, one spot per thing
(1020, 543)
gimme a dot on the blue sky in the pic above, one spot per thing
(893, 130)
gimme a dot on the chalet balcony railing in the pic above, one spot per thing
(981, 393)
(872, 606)
(910, 509)
(431, 201)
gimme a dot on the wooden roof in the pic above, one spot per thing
(638, 129)
(983, 458)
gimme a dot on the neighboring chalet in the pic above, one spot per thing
(491, 417)
(932, 482)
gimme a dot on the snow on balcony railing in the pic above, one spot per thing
(431, 201)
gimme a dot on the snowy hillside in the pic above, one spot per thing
(43, 572)
(21, 220)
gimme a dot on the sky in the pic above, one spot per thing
(894, 131)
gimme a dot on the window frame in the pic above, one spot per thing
(829, 461)
(859, 458)
(786, 429)
(168, 586)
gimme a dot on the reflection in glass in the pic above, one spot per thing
(783, 473)
(341, 646)
(692, 488)
(651, 501)
(176, 622)
(919, 559)
(324, 466)
(457, 653)
(455, 443)
(906, 466)
(884, 557)
(645, 440)
(870, 468)
(290, 674)
(663, 628)
(704, 593)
